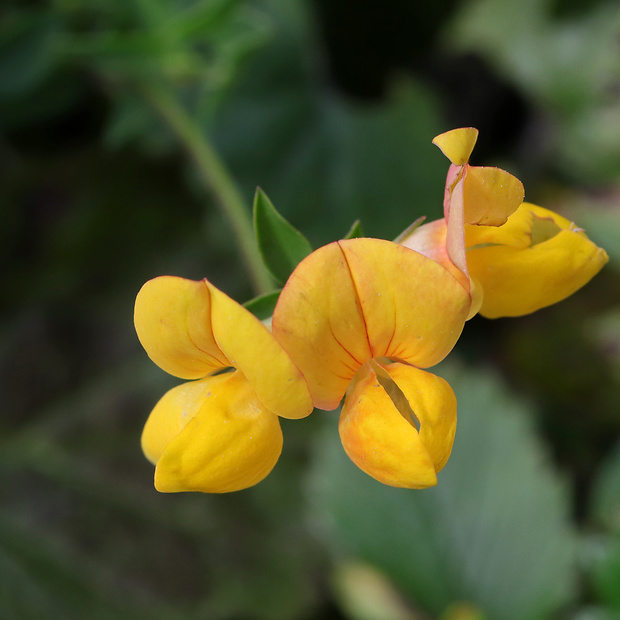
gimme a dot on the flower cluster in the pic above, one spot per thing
(358, 322)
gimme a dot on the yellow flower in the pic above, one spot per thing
(513, 257)
(220, 432)
(535, 259)
(365, 317)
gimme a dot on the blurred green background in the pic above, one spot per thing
(330, 106)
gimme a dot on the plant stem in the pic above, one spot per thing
(216, 178)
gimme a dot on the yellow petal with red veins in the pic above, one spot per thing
(413, 309)
(318, 320)
(490, 195)
(173, 322)
(354, 300)
(228, 441)
(250, 346)
(519, 280)
(457, 144)
(383, 441)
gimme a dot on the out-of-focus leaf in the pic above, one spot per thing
(132, 120)
(601, 221)
(595, 613)
(606, 577)
(27, 51)
(606, 493)
(281, 245)
(38, 580)
(565, 66)
(462, 611)
(365, 594)
(328, 159)
(495, 531)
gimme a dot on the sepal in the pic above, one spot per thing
(281, 246)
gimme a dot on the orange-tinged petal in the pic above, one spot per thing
(430, 240)
(519, 280)
(457, 144)
(173, 322)
(318, 320)
(250, 346)
(227, 441)
(386, 444)
(413, 309)
(433, 401)
(354, 300)
(490, 195)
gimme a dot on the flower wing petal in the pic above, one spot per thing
(379, 440)
(430, 240)
(434, 404)
(228, 440)
(319, 322)
(413, 308)
(491, 195)
(173, 322)
(251, 347)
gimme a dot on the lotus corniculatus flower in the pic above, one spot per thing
(514, 257)
(365, 317)
(221, 431)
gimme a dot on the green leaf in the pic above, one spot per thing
(606, 493)
(416, 224)
(495, 531)
(355, 231)
(607, 576)
(262, 307)
(281, 246)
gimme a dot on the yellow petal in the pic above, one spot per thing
(319, 322)
(173, 412)
(433, 401)
(413, 309)
(386, 444)
(490, 195)
(430, 240)
(173, 322)
(250, 346)
(228, 441)
(191, 329)
(516, 233)
(519, 280)
(457, 144)
(354, 300)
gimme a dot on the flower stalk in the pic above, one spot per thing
(215, 176)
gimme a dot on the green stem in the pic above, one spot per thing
(215, 176)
